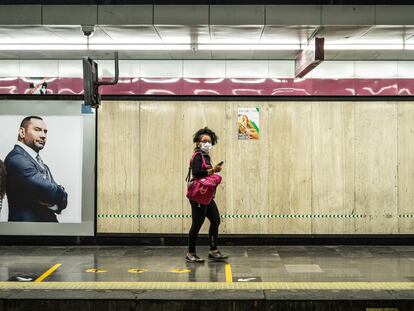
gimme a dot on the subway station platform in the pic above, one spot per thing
(253, 278)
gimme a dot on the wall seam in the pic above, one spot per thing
(398, 168)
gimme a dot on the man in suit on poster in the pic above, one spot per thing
(32, 193)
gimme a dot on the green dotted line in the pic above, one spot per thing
(239, 216)
(295, 216)
(406, 216)
(143, 216)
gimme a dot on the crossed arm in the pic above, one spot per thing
(32, 181)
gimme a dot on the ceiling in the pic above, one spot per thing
(196, 36)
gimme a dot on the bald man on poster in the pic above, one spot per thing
(32, 193)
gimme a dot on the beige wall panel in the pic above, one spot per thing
(118, 153)
(249, 168)
(290, 136)
(197, 115)
(231, 137)
(316, 158)
(123, 225)
(376, 167)
(161, 168)
(333, 167)
(406, 166)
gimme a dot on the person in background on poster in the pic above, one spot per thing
(2, 183)
(204, 140)
(43, 89)
(32, 193)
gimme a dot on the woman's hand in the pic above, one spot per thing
(217, 169)
(213, 170)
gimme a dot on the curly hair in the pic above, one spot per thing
(2, 179)
(205, 131)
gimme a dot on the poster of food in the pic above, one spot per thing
(248, 123)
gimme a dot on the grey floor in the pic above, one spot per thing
(248, 263)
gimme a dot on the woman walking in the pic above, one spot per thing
(204, 140)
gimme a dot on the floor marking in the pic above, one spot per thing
(23, 279)
(247, 279)
(48, 272)
(180, 271)
(229, 276)
(137, 270)
(209, 285)
(94, 270)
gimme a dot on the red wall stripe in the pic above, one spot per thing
(222, 86)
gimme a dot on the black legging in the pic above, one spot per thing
(199, 213)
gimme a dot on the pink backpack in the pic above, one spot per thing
(202, 190)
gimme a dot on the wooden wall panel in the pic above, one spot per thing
(161, 165)
(248, 165)
(118, 166)
(290, 136)
(406, 167)
(333, 167)
(376, 167)
(314, 161)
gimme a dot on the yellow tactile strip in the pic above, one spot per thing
(208, 285)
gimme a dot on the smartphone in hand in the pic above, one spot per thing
(221, 163)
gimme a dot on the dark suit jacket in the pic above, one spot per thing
(27, 185)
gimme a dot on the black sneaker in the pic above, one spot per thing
(217, 256)
(193, 258)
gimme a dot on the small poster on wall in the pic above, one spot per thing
(248, 123)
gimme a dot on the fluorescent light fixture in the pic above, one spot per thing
(42, 47)
(295, 47)
(94, 47)
(187, 47)
(140, 47)
(249, 47)
(358, 47)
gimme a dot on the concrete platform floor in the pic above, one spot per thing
(287, 267)
(317, 278)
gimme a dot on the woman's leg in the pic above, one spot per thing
(213, 216)
(198, 213)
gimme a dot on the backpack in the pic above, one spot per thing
(202, 190)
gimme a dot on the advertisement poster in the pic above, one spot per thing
(44, 169)
(248, 123)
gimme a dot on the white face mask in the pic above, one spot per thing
(206, 147)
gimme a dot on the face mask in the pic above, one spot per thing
(206, 147)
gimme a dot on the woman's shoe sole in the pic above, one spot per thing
(191, 261)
